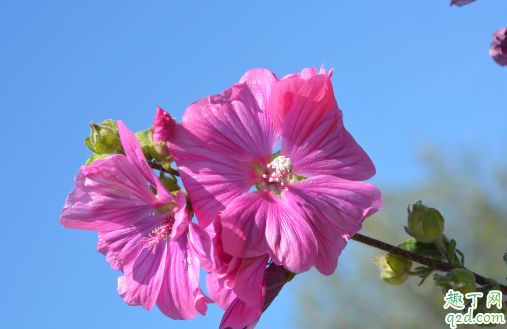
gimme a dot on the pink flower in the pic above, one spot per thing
(308, 202)
(498, 48)
(460, 3)
(143, 235)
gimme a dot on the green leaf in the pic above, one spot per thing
(420, 248)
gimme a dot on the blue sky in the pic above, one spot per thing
(406, 72)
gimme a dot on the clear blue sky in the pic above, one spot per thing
(405, 72)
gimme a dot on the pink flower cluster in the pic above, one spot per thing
(309, 198)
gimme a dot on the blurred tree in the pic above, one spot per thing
(470, 196)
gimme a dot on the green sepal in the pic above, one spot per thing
(451, 247)
(170, 182)
(462, 261)
(291, 275)
(274, 156)
(393, 269)
(94, 157)
(424, 277)
(420, 248)
(107, 144)
(89, 144)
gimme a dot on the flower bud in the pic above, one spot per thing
(498, 49)
(170, 182)
(425, 224)
(144, 138)
(393, 269)
(162, 126)
(104, 137)
(160, 152)
(458, 279)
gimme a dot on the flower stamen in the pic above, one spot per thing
(161, 232)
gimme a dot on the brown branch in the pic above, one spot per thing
(160, 167)
(432, 263)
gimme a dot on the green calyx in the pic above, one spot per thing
(393, 269)
(457, 279)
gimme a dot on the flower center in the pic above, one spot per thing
(278, 173)
(161, 232)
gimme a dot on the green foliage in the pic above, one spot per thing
(421, 248)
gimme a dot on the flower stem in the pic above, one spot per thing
(160, 167)
(432, 263)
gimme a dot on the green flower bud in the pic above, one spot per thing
(144, 138)
(160, 152)
(425, 224)
(170, 182)
(458, 279)
(393, 269)
(104, 137)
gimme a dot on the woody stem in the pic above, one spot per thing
(160, 167)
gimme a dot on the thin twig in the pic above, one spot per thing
(432, 263)
(160, 167)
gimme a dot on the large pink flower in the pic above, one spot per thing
(143, 235)
(309, 201)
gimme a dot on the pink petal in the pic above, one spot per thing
(306, 74)
(109, 194)
(282, 98)
(180, 296)
(223, 297)
(181, 216)
(234, 124)
(239, 315)
(211, 181)
(259, 221)
(126, 242)
(323, 71)
(250, 283)
(335, 209)
(163, 126)
(314, 138)
(134, 152)
(141, 283)
(111, 256)
(226, 275)
(260, 82)
(200, 243)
